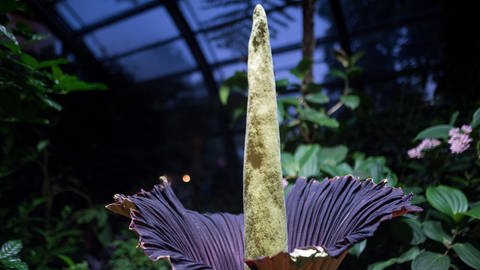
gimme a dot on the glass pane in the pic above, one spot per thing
(225, 72)
(197, 89)
(148, 27)
(80, 13)
(161, 61)
(201, 14)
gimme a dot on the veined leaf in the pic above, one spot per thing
(307, 158)
(318, 117)
(431, 261)
(434, 231)
(468, 254)
(474, 212)
(10, 248)
(448, 200)
(332, 155)
(417, 233)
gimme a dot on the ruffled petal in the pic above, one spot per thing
(339, 212)
(188, 239)
(331, 216)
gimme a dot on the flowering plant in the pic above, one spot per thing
(312, 228)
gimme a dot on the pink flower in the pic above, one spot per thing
(414, 153)
(426, 144)
(467, 129)
(460, 141)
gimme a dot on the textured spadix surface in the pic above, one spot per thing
(330, 215)
(263, 203)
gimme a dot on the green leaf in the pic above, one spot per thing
(453, 118)
(290, 166)
(301, 69)
(50, 102)
(474, 212)
(10, 248)
(8, 34)
(307, 158)
(408, 255)
(354, 71)
(282, 83)
(332, 155)
(317, 98)
(475, 119)
(448, 200)
(13, 263)
(318, 117)
(358, 248)
(436, 132)
(468, 254)
(434, 231)
(382, 265)
(431, 261)
(417, 233)
(41, 145)
(356, 57)
(223, 94)
(351, 101)
(337, 73)
(342, 57)
(289, 100)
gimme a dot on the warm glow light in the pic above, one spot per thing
(186, 178)
(163, 178)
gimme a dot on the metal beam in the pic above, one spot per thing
(204, 30)
(210, 82)
(84, 57)
(118, 17)
(341, 26)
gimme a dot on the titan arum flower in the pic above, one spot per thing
(314, 226)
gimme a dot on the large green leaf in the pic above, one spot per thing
(408, 255)
(431, 261)
(290, 166)
(475, 119)
(307, 158)
(10, 248)
(437, 132)
(317, 98)
(318, 117)
(474, 212)
(434, 231)
(468, 254)
(417, 233)
(332, 155)
(448, 200)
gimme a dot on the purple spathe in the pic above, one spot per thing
(332, 214)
